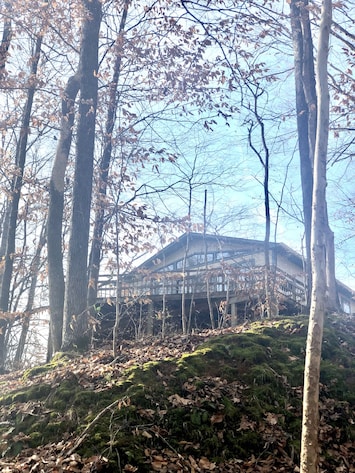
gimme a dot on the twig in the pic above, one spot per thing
(83, 436)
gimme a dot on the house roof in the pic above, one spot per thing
(281, 248)
(181, 242)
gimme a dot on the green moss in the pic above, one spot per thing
(36, 438)
(59, 359)
(35, 392)
(268, 359)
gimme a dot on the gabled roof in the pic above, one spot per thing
(281, 248)
(181, 242)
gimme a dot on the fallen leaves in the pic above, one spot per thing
(218, 406)
(48, 459)
(177, 400)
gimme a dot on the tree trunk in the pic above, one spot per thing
(118, 304)
(310, 421)
(184, 325)
(332, 299)
(16, 186)
(208, 286)
(35, 268)
(270, 300)
(306, 107)
(55, 216)
(96, 247)
(5, 41)
(75, 330)
(303, 60)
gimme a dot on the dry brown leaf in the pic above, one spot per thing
(246, 424)
(206, 464)
(217, 418)
(272, 419)
(146, 434)
(158, 465)
(177, 400)
(130, 468)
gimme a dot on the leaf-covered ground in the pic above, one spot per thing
(220, 401)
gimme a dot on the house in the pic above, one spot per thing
(204, 276)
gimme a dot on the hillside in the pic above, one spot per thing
(220, 401)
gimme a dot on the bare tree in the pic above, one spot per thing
(35, 269)
(56, 283)
(20, 160)
(96, 245)
(263, 155)
(310, 421)
(307, 117)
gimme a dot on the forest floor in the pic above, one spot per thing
(218, 401)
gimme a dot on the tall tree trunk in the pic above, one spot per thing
(5, 230)
(184, 285)
(303, 60)
(75, 330)
(16, 186)
(35, 268)
(6, 39)
(306, 108)
(332, 299)
(208, 285)
(118, 304)
(264, 158)
(310, 421)
(55, 216)
(96, 247)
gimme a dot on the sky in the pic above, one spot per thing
(221, 161)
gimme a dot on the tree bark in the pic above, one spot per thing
(56, 283)
(303, 60)
(307, 117)
(5, 41)
(310, 420)
(75, 329)
(208, 286)
(35, 268)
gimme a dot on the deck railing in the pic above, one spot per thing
(172, 283)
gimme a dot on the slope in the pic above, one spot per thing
(221, 401)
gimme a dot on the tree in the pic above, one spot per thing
(310, 421)
(6, 39)
(306, 114)
(16, 186)
(264, 158)
(140, 56)
(35, 269)
(104, 167)
(56, 283)
(306, 108)
(75, 328)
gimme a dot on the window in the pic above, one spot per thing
(220, 255)
(197, 259)
(179, 264)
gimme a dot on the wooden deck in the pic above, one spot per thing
(194, 285)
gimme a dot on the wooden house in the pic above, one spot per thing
(220, 275)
